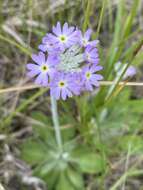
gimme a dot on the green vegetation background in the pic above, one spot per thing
(102, 131)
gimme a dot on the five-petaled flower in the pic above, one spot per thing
(64, 85)
(89, 77)
(63, 37)
(91, 55)
(43, 69)
(85, 39)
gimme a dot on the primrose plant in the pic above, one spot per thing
(67, 64)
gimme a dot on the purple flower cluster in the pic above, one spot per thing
(67, 62)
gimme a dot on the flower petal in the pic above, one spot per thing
(31, 66)
(33, 73)
(57, 30)
(87, 34)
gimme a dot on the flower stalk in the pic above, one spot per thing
(56, 123)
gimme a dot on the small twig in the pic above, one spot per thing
(18, 88)
(109, 83)
(32, 86)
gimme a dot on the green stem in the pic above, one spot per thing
(87, 15)
(56, 123)
(104, 2)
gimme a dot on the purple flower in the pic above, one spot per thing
(85, 39)
(91, 55)
(89, 77)
(48, 46)
(63, 37)
(63, 86)
(130, 72)
(42, 70)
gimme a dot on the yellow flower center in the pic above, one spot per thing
(44, 68)
(63, 38)
(88, 75)
(84, 42)
(61, 84)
